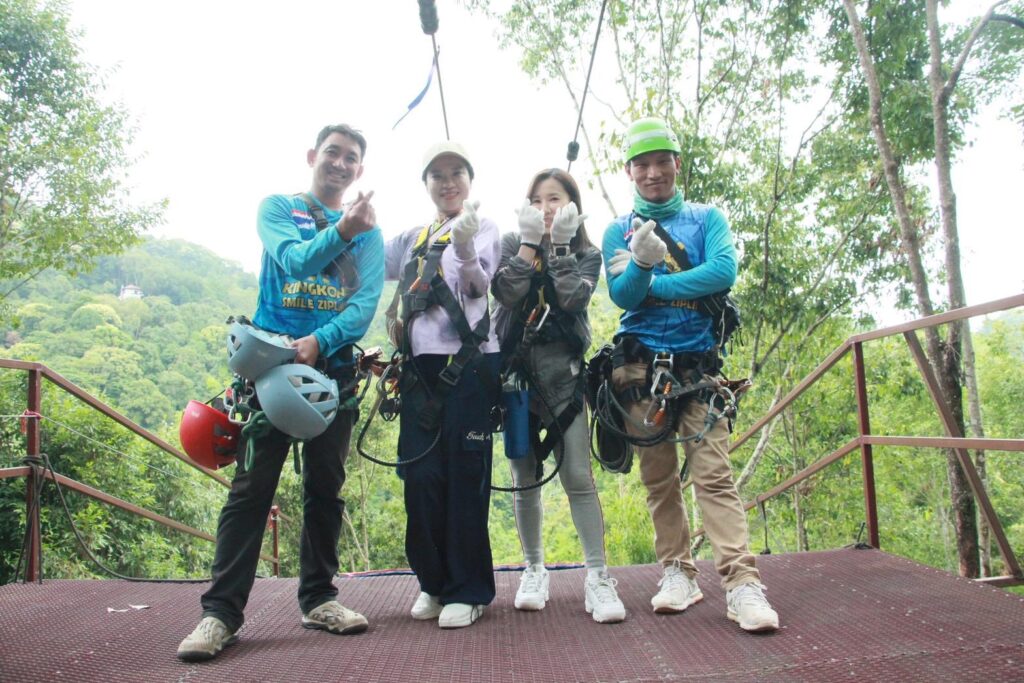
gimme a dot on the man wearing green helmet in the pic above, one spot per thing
(665, 333)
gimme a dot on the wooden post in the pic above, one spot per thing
(866, 457)
(34, 550)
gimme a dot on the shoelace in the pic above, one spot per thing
(750, 594)
(531, 581)
(211, 630)
(333, 613)
(672, 580)
(604, 589)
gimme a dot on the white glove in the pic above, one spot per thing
(467, 225)
(648, 249)
(617, 264)
(566, 222)
(531, 223)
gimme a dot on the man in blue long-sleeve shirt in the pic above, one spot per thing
(662, 322)
(320, 280)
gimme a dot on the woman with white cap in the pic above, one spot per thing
(543, 286)
(449, 392)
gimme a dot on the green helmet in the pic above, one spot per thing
(649, 135)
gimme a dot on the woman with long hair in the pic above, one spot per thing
(543, 286)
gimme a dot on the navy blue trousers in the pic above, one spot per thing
(448, 492)
(243, 520)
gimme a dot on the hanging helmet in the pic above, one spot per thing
(649, 135)
(251, 351)
(208, 436)
(297, 399)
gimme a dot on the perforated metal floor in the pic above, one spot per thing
(847, 615)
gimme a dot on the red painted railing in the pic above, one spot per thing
(34, 472)
(865, 440)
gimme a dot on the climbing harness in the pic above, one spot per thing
(421, 286)
(538, 322)
(388, 405)
(673, 381)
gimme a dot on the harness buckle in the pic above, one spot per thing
(449, 375)
(662, 361)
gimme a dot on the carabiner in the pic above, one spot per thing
(543, 317)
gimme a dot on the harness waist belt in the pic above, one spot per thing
(628, 349)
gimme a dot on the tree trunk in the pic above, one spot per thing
(978, 432)
(944, 357)
(964, 507)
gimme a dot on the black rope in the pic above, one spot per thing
(764, 519)
(37, 488)
(81, 541)
(574, 146)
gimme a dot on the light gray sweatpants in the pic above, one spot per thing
(578, 483)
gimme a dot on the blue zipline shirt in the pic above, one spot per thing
(658, 303)
(297, 297)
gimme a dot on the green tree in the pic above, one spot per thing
(918, 116)
(64, 159)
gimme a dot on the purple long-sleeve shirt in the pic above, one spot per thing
(468, 269)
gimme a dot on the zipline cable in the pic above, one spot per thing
(574, 146)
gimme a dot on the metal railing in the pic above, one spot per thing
(865, 440)
(35, 473)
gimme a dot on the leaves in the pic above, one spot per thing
(63, 154)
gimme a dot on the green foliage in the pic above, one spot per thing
(147, 358)
(63, 195)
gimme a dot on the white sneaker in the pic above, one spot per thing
(334, 617)
(601, 600)
(748, 607)
(678, 591)
(533, 588)
(459, 614)
(209, 638)
(426, 607)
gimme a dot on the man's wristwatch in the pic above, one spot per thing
(560, 249)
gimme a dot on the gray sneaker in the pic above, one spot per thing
(747, 606)
(678, 591)
(533, 588)
(601, 600)
(426, 607)
(459, 615)
(210, 637)
(332, 616)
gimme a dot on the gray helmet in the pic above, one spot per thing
(297, 399)
(251, 351)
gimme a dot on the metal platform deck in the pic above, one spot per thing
(847, 615)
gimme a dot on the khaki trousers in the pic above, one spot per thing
(725, 521)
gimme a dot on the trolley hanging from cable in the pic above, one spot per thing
(429, 23)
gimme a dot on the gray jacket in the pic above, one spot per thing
(555, 364)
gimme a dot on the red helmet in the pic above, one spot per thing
(208, 436)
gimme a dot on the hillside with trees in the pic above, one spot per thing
(826, 133)
(148, 356)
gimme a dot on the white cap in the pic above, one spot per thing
(442, 148)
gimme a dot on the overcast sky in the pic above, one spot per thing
(228, 96)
